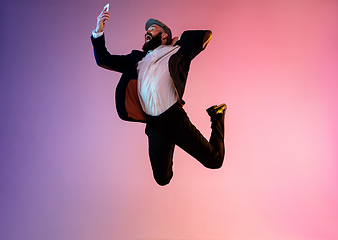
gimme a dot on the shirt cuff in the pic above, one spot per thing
(96, 34)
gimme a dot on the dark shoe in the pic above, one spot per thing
(215, 110)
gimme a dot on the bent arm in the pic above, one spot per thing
(105, 60)
(193, 42)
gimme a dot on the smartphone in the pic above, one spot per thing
(106, 7)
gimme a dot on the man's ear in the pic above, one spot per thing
(173, 41)
(164, 36)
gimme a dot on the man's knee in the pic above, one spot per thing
(162, 181)
(216, 164)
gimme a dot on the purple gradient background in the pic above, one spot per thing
(70, 169)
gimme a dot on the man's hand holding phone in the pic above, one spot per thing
(102, 18)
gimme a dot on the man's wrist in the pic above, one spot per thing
(97, 34)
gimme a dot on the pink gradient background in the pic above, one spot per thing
(71, 169)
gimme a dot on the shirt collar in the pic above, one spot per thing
(158, 48)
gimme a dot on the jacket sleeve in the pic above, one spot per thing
(105, 60)
(192, 42)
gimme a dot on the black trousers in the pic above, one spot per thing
(173, 127)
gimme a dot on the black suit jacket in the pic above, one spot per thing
(126, 97)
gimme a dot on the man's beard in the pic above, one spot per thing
(153, 43)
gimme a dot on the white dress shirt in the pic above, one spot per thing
(156, 89)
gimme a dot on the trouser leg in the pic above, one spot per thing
(174, 127)
(209, 153)
(161, 151)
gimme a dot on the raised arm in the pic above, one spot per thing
(103, 58)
